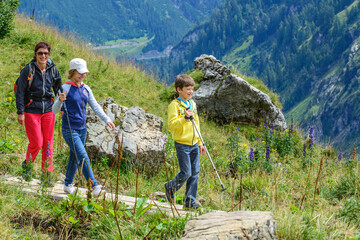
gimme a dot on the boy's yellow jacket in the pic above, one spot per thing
(181, 129)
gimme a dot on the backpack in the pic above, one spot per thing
(30, 77)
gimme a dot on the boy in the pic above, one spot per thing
(187, 142)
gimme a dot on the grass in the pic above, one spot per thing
(300, 110)
(262, 87)
(243, 47)
(131, 47)
(342, 16)
(277, 185)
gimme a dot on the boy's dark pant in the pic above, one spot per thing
(189, 163)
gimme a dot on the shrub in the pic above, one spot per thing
(350, 211)
(7, 13)
(347, 186)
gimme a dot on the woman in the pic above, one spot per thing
(77, 95)
(34, 101)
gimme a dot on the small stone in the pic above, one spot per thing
(158, 195)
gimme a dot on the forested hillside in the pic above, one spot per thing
(100, 21)
(306, 51)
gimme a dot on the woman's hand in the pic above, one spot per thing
(62, 97)
(21, 119)
(111, 125)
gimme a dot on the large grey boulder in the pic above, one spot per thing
(247, 225)
(226, 97)
(141, 134)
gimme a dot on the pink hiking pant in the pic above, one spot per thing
(40, 132)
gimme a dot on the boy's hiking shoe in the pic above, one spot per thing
(169, 194)
(191, 206)
(70, 189)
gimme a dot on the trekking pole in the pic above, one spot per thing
(207, 152)
(72, 139)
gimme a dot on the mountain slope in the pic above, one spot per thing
(294, 47)
(101, 21)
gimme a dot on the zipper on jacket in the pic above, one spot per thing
(43, 87)
(44, 79)
(82, 106)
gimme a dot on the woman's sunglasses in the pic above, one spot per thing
(42, 53)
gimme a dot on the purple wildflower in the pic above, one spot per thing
(311, 137)
(291, 126)
(272, 129)
(48, 150)
(339, 157)
(251, 155)
(267, 153)
(265, 123)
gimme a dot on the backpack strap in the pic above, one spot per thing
(188, 105)
(53, 73)
(31, 74)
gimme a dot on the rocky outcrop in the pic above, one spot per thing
(231, 225)
(141, 134)
(226, 97)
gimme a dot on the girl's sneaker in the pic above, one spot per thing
(97, 190)
(69, 189)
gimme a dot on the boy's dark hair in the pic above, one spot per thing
(183, 80)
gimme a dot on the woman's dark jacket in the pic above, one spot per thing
(39, 98)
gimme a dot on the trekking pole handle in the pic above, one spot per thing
(191, 118)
